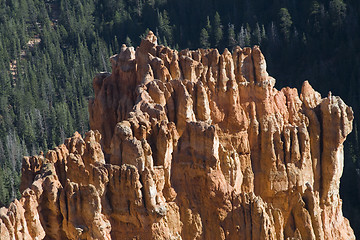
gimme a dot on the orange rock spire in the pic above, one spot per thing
(190, 145)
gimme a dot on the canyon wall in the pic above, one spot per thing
(190, 145)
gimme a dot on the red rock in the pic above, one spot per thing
(190, 145)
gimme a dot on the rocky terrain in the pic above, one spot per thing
(190, 145)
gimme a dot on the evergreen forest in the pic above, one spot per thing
(51, 49)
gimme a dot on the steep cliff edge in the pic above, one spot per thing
(190, 145)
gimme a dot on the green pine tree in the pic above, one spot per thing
(285, 23)
(217, 30)
(204, 38)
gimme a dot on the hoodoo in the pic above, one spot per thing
(190, 145)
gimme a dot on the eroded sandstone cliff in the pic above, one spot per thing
(190, 145)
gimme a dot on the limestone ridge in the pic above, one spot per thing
(190, 145)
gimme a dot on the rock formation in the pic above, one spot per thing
(190, 145)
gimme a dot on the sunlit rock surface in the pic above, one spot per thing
(190, 145)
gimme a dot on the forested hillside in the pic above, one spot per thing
(50, 50)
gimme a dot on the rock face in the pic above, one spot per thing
(190, 145)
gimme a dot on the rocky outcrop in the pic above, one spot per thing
(190, 145)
